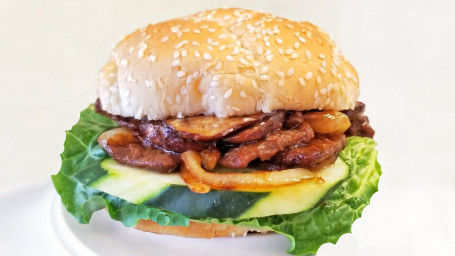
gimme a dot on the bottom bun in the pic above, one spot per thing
(197, 229)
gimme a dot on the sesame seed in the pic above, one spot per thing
(131, 49)
(176, 54)
(184, 53)
(324, 64)
(302, 40)
(235, 51)
(184, 90)
(197, 31)
(222, 47)
(290, 72)
(294, 56)
(281, 51)
(179, 114)
(164, 39)
(222, 36)
(264, 70)
(211, 30)
(169, 100)
(152, 58)
(214, 83)
(268, 52)
(308, 34)
(279, 41)
(131, 79)
(301, 81)
(296, 45)
(181, 74)
(228, 94)
(308, 75)
(281, 83)
(259, 50)
(318, 79)
(209, 47)
(323, 91)
(264, 77)
(256, 63)
(197, 54)
(290, 26)
(289, 51)
(242, 94)
(280, 74)
(207, 56)
(195, 43)
(269, 58)
(179, 45)
(195, 73)
(178, 99)
(189, 79)
(237, 78)
(230, 58)
(140, 53)
(244, 62)
(255, 84)
(175, 63)
(321, 56)
(308, 54)
(150, 83)
(267, 43)
(218, 65)
(175, 29)
(124, 63)
(322, 70)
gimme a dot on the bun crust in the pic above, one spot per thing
(196, 229)
(226, 62)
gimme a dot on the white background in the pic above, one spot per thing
(404, 52)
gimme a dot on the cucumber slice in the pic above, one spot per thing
(169, 192)
(301, 196)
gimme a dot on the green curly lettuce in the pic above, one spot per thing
(325, 222)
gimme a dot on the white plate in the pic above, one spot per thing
(103, 236)
(34, 222)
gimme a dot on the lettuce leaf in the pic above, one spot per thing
(307, 231)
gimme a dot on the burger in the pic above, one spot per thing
(222, 123)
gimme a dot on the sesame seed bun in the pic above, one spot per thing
(197, 229)
(226, 62)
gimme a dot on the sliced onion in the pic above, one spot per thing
(327, 121)
(243, 181)
(117, 136)
(193, 183)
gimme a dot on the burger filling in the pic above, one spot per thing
(281, 145)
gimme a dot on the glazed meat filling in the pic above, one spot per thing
(269, 141)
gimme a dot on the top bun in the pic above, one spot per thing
(226, 62)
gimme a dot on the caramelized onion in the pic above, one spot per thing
(117, 136)
(254, 180)
(328, 121)
(193, 183)
(209, 127)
